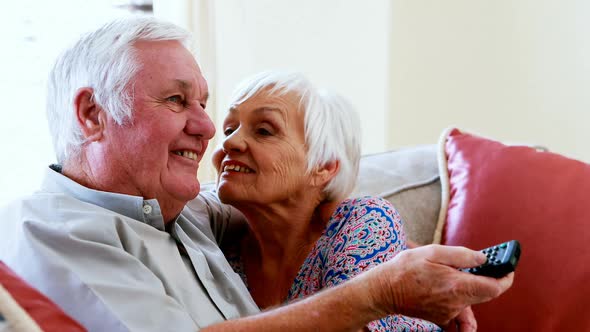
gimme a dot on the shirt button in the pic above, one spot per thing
(147, 209)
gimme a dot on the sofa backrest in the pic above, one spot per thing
(409, 179)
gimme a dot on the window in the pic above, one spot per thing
(35, 32)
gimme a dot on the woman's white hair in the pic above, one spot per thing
(332, 126)
(105, 61)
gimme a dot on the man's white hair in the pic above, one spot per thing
(332, 126)
(105, 61)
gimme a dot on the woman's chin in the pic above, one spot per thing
(223, 193)
(227, 195)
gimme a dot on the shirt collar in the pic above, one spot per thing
(135, 207)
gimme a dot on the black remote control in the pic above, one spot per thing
(502, 259)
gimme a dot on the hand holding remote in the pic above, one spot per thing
(501, 260)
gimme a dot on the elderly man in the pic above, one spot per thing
(120, 238)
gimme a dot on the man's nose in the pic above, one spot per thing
(199, 123)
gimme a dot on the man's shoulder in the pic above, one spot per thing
(58, 214)
(204, 207)
(212, 216)
(49, 207)
(43, 220)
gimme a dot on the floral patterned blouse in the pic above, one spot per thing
(362, 233)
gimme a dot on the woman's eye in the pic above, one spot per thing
(263, 132)
(228, 131)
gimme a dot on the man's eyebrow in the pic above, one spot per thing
(183, 84)
(187, 86)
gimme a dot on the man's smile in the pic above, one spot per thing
(187, 154)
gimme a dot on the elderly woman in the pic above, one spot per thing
(288, 162)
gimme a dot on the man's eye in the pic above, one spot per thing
(228, 131)
(177, 99)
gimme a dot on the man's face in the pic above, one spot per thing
(157, 155)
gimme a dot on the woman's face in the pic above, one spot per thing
(263, 158)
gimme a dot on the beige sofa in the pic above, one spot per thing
(409, 179)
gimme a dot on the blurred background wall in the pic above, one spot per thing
(514, 70)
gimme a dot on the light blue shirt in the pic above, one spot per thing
(106, 259)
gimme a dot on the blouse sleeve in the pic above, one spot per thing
(369, 233)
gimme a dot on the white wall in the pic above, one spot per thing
(517, 71)
(340, 45)
(514, 70)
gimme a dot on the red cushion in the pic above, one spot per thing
(41, 309)
(542, 199)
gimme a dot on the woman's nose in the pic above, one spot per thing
(235, 141)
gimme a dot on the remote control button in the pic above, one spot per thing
(499, 260)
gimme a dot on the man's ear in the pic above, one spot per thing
(323, 174)
(89, 115)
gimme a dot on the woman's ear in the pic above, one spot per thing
(323, 174)
(89, 115)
